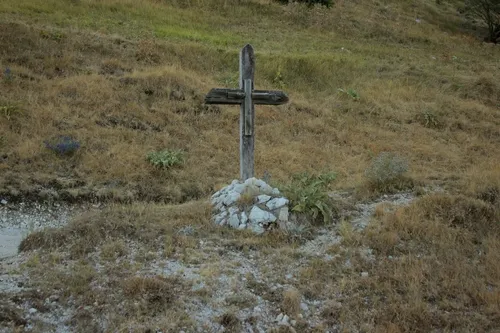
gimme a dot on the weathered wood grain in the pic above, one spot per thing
(237, 96)
(247, 113)
(246, 97)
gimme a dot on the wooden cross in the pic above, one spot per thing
(246, 96)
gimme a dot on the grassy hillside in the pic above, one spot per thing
(127, 77)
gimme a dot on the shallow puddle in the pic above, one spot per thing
(10, 238)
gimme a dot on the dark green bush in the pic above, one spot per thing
(326, 3)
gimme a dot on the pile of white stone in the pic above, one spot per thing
(251, 204)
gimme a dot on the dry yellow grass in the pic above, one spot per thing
(427, 93)
(128, 77)
(291, 302)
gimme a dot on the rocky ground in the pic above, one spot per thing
(248, 282)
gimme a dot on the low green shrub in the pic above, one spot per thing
(166, 158)
(308, 194)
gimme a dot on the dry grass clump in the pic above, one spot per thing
(291, 302)
(387, 173)
(435, 266)
(440, 265)
(145, 224)
(10, 315)
(230, 322)
(153, 294)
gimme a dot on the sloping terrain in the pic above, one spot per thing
(123, 78)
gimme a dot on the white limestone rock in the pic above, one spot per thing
(268, 206)
(220, 217)
(263, 198)
(258, 229)
(244, 218)
(234, 221)
(231, 198)
(258, 215)
(250, 181)
(283, 214)
(277, 203)
(239, 188)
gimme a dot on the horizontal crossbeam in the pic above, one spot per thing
(237, 96)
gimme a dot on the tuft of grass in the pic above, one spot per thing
(9, 111)
(291, 302)
(429, 119)
(387, 173)
(230, 322)
(241, 300)
(154, 293)
(113, 250)
(166, 158)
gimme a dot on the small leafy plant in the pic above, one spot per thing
(351, 93)
(9, 110)
(166, 158)
(279, 79)
(429, 119)
(63, 145)
(308, 195)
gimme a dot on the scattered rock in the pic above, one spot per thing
(32, 311)
(234, 221)
(277, 203)
(283, 214)
(258, 229)
(260, 207)
(3, 202)
(263, 198)
(364, 274)
(258, 215)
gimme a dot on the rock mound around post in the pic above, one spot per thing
(252, 204)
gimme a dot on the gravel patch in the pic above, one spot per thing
(16, 222)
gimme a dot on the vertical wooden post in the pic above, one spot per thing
(247, 113)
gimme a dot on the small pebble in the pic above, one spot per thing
(364, 274)
(32, 310)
